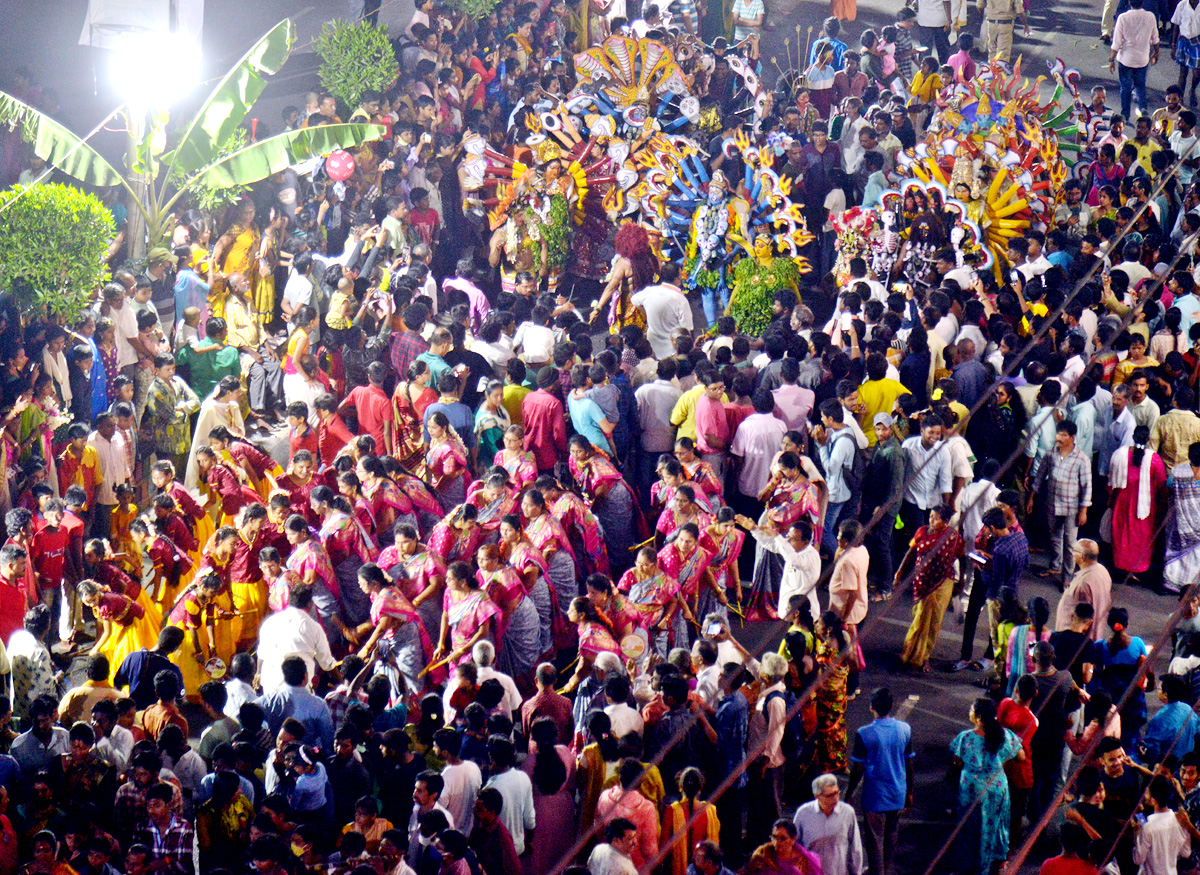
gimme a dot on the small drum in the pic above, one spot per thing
(215, 668)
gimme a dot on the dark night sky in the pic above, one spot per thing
(43, 36)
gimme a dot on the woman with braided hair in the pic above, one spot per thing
(635, 267)
(595, 637)
(261, 470)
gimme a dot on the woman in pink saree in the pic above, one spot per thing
(519, 627)
(682, 509)
(447, 462)
(728, 539)
(789, 496)
(519, 553)
(547, 534)
(580, 524)
(418, 572)
(655, 596)
(311, 564)
(611, 499)
(468, 616)
(688, 561)
(520, 465)
(457, 537)
(595, 637)
(494, 498)
(394, 632)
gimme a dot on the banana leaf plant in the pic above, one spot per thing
(197, 160)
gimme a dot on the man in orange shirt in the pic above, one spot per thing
(164, 711)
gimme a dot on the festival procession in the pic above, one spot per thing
(791, 410)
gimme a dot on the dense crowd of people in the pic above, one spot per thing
(360, 531)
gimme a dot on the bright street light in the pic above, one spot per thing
(151, 70)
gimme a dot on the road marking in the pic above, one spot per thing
(907, 706)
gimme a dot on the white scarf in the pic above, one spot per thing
(1118, 477)
(55, 364)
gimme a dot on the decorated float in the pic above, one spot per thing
(991, 164)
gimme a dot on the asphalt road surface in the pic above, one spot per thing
(936, 704)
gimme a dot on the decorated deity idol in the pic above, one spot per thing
(708, 252)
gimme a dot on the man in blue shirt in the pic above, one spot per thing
(138, 669)
(586, 416)
(459, 414)
(295, 701)
(882, 760)
(1173, 729)
(731, 722)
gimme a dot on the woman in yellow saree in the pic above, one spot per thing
(263, 286)
(235, 252)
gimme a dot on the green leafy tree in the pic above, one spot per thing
(53, 239)
(206, 158)
(355, 58)
(474, 9)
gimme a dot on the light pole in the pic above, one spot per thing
(150, 70)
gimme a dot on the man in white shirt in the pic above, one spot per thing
(1161, 840)
(1134, 49)
(298, 291)
(118, 309)
(667, 310)
(933, 19)
(483, 654)
(623, 718)
(756, 442)
(462, 779)
(114, 743)
(614, 857)
(110, 447)
(516, 788)
(801, 561)
(655, 401)
(829, 827)
(708, 673)
(427, 794)
(932, 480)
(292, 632)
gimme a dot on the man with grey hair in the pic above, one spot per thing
(1119, 432)
(766, 727)
(483, 654)
(547, 702)
(1091, 584)
(828, 827)
(590, 693)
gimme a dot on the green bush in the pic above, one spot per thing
(355, 58)
(53, 239)
(473, 9)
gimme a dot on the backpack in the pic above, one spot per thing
(794, 734)
(856, 471)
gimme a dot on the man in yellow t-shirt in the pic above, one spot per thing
(878, 394)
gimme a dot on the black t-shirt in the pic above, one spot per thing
(1072, 650)
(1102, 822)
(481, 372)
(1050, 704)
(1121, 795)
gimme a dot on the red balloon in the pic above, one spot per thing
(339, 166)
